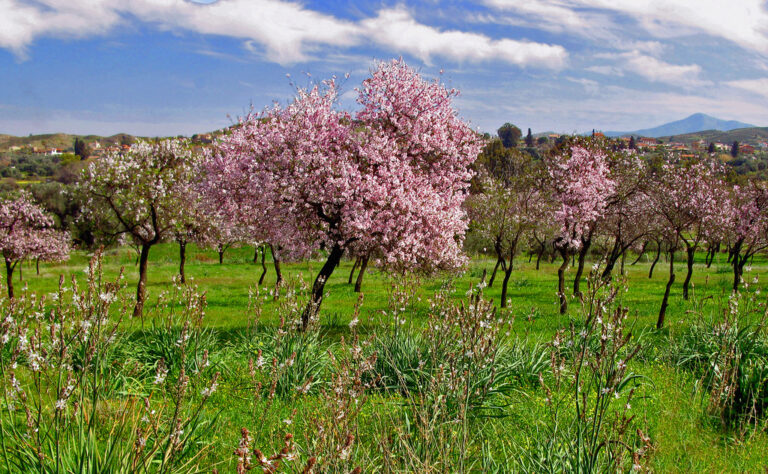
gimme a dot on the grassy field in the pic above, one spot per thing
(671, 406)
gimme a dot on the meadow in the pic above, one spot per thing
(365, 388)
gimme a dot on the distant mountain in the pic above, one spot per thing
(692, 124)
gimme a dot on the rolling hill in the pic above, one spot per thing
(64, 141)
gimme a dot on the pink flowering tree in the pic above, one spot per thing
(625, 222)
(392, 178)
(624, 226)
(141, 194)
(26, 231)
(690, 203)
(581, 187)
(221, 233)
(749, 225)
(505, 213)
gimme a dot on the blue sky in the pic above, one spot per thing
(167, 67)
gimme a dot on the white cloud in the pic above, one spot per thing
(651, 69)
(756, 86)
(21, 23)
(656, 70)
(743, 22)
(287, 31)
(397, 29)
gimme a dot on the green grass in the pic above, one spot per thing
(672, 409)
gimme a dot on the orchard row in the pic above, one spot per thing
(399, 183)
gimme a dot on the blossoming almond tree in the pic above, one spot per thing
(749, 225)
(26, 231)
(142, 194)
(581, 186)
(506, 212)
(391, 178)
(625, 222)
(690, 204)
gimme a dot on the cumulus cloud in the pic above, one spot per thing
(398, 29)
(287, 31)
(651, 69)
(656, 70)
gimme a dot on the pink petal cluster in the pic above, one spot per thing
(26, 231)
(691, 203)
(390, 179)
(582, 185)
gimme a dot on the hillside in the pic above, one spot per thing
(751, 136)
(64, 141)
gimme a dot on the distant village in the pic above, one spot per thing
(96, 148)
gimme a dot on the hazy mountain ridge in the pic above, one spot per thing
(695, 123)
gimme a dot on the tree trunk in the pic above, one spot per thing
(691, 253)
(738, 265)
(655, 260)
(255, 254)
(263, 264)
(610, 262)
(313, 307)
(276, 262)
(182, 261)
(561, 282)
(361, 273)
(141, 289)
(9, 277)
(640, 254)
(710, 256)
(37, 266)
(499, 262)
(665, 301)
(221, 256)
(585, 244)
(352, 272)
(623, 260)
(538, 257)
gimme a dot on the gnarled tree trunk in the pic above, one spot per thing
(361, 273)
(276, 262)
(9, 277)
(738, 264)
(665, 301)
(182, 260)
(691, 253)
(263, 264)
(561, 281)
(313, 307)
(585, 245)
(655, 260)
(352, 272)
(141, 289)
